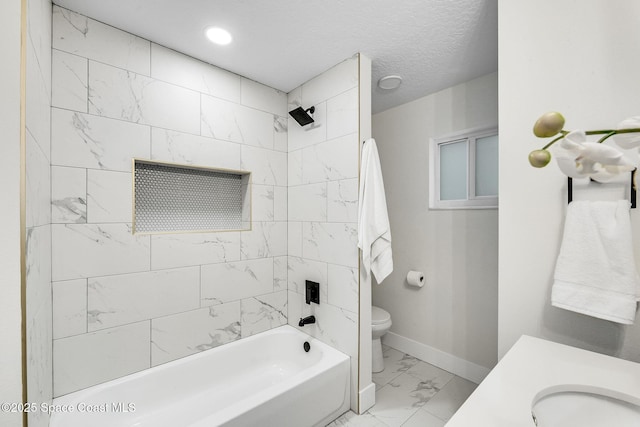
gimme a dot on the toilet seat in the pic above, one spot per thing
(379, 316)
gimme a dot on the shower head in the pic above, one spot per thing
(302, 116)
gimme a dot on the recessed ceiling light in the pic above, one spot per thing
(218, 35)
(389, 82)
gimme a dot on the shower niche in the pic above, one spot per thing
(176, 198)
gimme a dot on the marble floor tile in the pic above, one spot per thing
(395, 363)
(410, 393)
(351, 419)
(423, 419)
(427, 372)
(397, 401)
(445, 403)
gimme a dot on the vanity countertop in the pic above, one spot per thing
(505, 396)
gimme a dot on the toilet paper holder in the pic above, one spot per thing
(415, 278)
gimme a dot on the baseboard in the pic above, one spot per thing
(462, 368)
(367, 398)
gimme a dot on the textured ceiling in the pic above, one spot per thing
(432, 44)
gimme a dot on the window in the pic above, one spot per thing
(464, 170)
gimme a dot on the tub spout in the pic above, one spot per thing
(307, 320)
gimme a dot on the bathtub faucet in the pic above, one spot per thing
(307, 320)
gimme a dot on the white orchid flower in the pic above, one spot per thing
(578, 158)
(628, 140)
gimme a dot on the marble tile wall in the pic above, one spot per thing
(323, 207)
(116, 96)
(38, 210)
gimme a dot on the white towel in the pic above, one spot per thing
(595, 272)
(374, 233)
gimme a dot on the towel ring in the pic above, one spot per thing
(632, 195)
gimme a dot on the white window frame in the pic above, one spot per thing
(472, 201)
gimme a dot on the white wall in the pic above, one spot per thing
(456, 311)
(10, 317)
(579, 58)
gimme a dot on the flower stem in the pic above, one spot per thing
(606, 132)
(604, 138)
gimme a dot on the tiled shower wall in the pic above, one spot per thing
(123, 302)
(323, 208)
(38, 211)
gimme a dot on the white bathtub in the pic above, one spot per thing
(264, 380)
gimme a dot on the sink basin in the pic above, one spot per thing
(575, 405)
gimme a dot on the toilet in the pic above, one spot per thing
(380, 324)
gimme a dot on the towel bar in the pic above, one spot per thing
(632, 195)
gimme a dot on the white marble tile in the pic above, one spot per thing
(69, 308)
(280, 196)
(38, 267)
(174, 67)
(332, 160)
(280, 273)
(184, 148)
(294, 167)
(280, 139)
(86, 250)
(127, 298)
(39, 35)
(185, 249)
(343, 114)
(294, 238)
(296, 309)
(124, 95)
(299, 270)
(69, 87)
(397, 401)
(424, 419)
(308, 202)
(38, 185)
(261, 97)
(332, 82)
(294, 98)
(233, 122)
(305, 136)
(194, 331)
(262, 198)
(267, 166)
(427, 372)
(444, 404)
(88, 359)
(351, 419)
(334, 326)
(335, 243)
(38, 97)
(342, 283)
(68, 195)
(342, 200)
(232, 281)
(395, 363)
(77, 34)
(264, 312)
(87, 141)
(109, 196)
(266, 239)
(39, 362)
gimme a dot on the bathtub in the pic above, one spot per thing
(264, 380)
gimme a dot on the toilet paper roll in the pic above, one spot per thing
(415, 278)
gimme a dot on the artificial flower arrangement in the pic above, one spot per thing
(578, 158)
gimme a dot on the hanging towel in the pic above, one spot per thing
(374, 233)
(595, 272)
